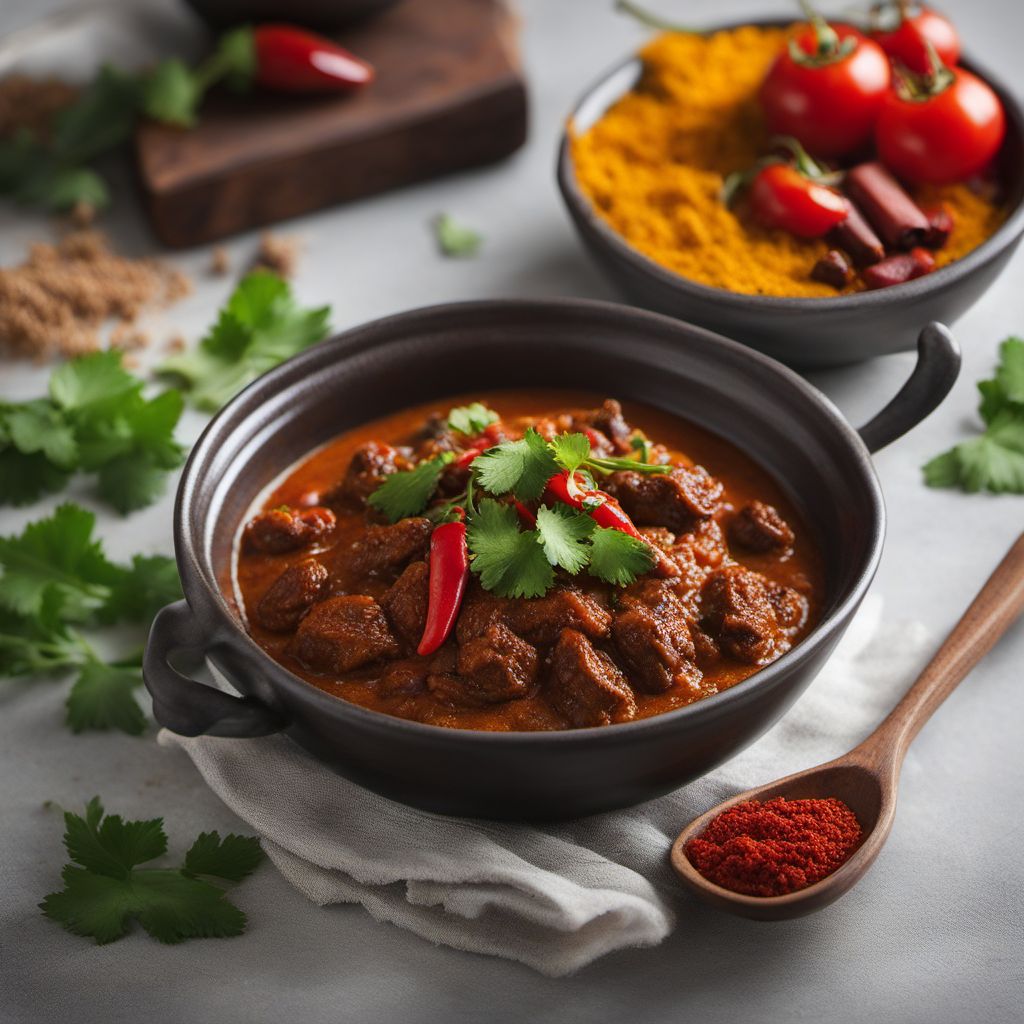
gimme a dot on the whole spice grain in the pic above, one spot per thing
(277, 254)
(31, 104)
(59, 300)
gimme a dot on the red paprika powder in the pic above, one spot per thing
(769, 849)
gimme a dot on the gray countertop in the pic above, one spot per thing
(933, 934)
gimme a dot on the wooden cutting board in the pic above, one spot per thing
(449, 94)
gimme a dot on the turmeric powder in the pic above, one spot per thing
(654, 166)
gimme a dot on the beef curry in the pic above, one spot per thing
(653, 582)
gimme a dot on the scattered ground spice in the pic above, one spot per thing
(769, 849)
(220, 261)
(128, 338)
(654, 165)
(277, 254)
(176, 343)
(82, 214)
(31, 104)
(58, 300)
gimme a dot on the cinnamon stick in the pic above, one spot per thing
(898, 220)
(857, 239)
(832, 269)
(940, 227)
(899, 268)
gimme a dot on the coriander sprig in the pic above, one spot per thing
(994, 461)
(105, 888)
(57, 577)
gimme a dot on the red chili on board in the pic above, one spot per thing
(772, 848)
(289, 59)
(449, 574)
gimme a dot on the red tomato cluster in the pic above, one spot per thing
(837, 90)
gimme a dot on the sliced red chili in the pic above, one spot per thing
(290, 59)
(449, 574)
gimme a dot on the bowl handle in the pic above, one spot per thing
(938, 365)
(188, 707)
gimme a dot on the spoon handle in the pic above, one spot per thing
(990, 614)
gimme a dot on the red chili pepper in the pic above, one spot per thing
(608, 514)
(291, 59)
(449, 574)
(467, 457)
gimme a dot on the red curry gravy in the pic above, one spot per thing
(794, 568)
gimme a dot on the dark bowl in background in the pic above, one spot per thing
(786, 425)
(323, 15)
(802, 332)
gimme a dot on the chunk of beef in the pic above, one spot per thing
(384, 549)
(402, 678)
(675, 500)
(658, 537)
(286, 529)
(705, 544)
(539, 620)
(343, 633)
(759, 527)
(652, 635)
(739, 614)
(498, 665)
(585, 686)
(405, 603)
(610, 422)
(790, 607)
(371, 465)
(291, 595)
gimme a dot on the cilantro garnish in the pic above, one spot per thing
(455, 240)
(563, 536)
(408, 492)
(521, 467)
(994, 461)
(617, 558)
(56, 576)
(508, 561)
(471, 419)
(95, 420)
(260, 326)
(105, 889)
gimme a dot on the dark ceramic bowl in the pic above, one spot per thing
(801, 332)
(787, 426)
(325, 15)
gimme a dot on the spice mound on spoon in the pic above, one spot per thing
(795, 845)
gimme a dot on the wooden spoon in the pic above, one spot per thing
(867, 777)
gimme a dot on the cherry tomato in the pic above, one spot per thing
(829, 105)
(781, 197)
(906, 42)
(944, 137)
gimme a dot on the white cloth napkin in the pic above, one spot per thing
(554, 897)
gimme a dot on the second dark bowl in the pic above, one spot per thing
(801, 332)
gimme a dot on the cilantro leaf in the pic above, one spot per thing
(571, 451)
(563, 535)
(232, 858)
(994, 461)
(61, 188)
(509, 562)
(408, 492)
(617, 558)
(471, 419)
(144, 587)
(95, 420)
(522, 467)
(100, 119)
(260, 327)
(57, 553)
(37, 645)
(107, 889)
(454, 240)
(103, 698)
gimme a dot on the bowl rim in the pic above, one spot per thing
(195, 568)
(581, 206)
